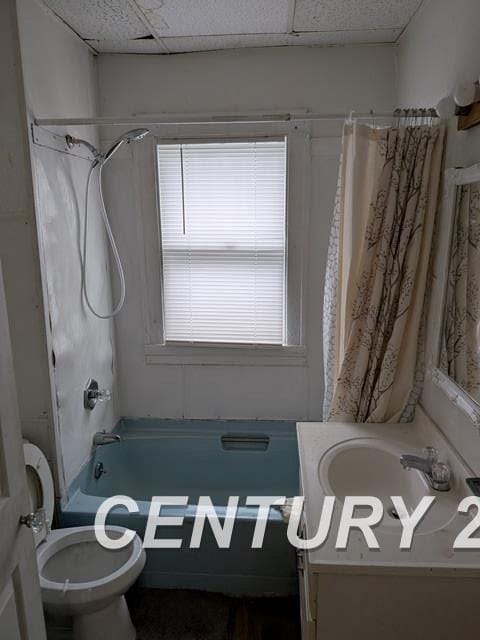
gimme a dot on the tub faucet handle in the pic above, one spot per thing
(93, 394)
(103, 395)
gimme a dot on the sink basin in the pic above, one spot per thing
(371, 467)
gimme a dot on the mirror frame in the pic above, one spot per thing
(453, 178)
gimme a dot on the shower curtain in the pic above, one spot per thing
(460, 356)
(377, 271)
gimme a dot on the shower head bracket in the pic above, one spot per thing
(72, 142)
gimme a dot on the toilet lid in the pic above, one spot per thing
(40, 486)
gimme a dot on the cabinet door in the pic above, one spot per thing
(308, 622)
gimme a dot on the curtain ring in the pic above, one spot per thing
(396, 118)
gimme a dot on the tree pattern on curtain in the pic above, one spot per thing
(388, 305)
(460, 346)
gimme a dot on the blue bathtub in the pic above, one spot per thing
(194, 458)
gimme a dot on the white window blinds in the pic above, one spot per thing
(223, 228)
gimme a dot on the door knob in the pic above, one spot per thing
(35, 520)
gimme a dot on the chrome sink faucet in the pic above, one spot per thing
(102, 437)
(438, 474)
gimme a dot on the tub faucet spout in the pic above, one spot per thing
(102, 437)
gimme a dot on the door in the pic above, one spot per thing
(21, 614)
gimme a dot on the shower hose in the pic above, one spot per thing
(111, 240)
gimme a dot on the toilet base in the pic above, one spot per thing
(113, 621)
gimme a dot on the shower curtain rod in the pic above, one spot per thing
(202, 118)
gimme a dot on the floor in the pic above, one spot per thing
(194, 615)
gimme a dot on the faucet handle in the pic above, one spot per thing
(103, 395)
(431, 454)
(441, 472)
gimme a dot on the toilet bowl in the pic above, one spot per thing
(78, 576)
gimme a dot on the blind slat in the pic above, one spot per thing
(223, 240)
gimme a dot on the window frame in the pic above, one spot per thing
(156, 350)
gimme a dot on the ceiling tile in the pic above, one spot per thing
(126, 46)
(100, 19)
(332, 15)
(215, 17)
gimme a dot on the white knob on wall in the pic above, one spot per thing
(465, 94)
(446, 107)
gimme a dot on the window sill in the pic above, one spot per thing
(224, 355)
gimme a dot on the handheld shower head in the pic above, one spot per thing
(99, 162)
(130, 136)
(135, 134)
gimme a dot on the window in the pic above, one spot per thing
(223, 237)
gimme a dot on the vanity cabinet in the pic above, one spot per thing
(370, 606)
(430, 591)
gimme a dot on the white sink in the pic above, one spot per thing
(371, 467)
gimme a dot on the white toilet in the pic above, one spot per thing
(78, 576)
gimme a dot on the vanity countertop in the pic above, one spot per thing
(431, 552)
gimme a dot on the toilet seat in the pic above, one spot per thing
(40, 486)
(87, 592)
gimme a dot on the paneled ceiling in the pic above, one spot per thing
(177, 26)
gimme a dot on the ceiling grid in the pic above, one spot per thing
(179, 26)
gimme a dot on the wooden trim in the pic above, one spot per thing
(471, 119)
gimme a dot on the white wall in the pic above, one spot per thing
(60, 80)
(322, 79)
(440, 48)
(325, 80)
(18, 244)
